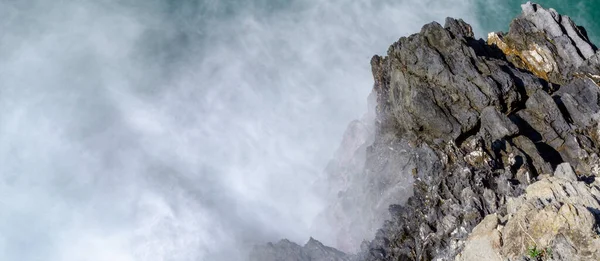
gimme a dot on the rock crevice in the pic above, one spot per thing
(465, 137)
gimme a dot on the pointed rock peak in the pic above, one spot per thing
(458, 27)
(312, 241)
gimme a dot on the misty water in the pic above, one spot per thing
(188, 130)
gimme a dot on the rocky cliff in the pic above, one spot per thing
(475, 149)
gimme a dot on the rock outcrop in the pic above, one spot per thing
(557, 218)
(313, 250)
(478, 128)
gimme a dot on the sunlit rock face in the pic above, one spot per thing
(557, 216)
(472, 125)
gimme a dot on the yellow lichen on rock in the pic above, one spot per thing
(494, 38)
(540, 58)
(536, 58)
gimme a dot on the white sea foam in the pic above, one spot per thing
(131, 132)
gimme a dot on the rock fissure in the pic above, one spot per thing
(499, 140)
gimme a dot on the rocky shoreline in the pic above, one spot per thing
(499, 139)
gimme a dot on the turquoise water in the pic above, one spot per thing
(174, 130)
(496, 15)
(485, 15)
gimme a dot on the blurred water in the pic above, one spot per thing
(184, 130)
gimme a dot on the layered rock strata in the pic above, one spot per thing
(478, 128)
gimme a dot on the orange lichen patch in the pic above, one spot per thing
(540, 58)
(494, 38)
(536, 59)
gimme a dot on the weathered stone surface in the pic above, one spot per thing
(565, 171)
(556, 216)
(465, 127)
(484, 242)
(546, 43)
(496, 124)
(434, 85)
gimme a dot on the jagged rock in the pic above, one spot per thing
(559, 217)
(544, 42)
(285, 250)
(472, 125)
(497, 124)
(433, 85)
(378, 172)
(494, 115)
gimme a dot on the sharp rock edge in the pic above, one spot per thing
(498, 138)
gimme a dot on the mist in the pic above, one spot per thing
(149, 130)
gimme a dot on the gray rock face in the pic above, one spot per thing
(573, 43)
(434, 85)
(548, 44)
(285, 250)
(470, 124)
(496, 124)
(495, 111)
(565, 171)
